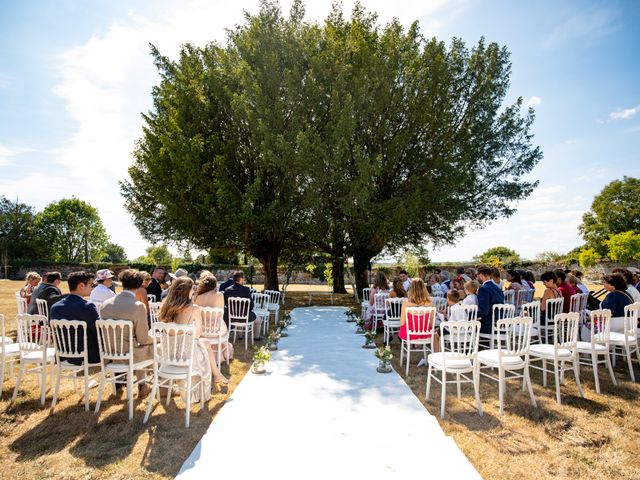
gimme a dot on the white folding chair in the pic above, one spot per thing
(578, 304)
(35, 353)
(151, 298)
(260, 301)
(510, 297)
(273, 305)
(460, 313)
(562, 350)
(440, 304)
(598, 346)
(154, 308)
(624, 343)
(532, 310)
(9, 352)
(173, 347)
(238, 312)
(366, 292)
(554, 307)
(500, 311)
(116, 358)
(21, 304)
(212, 320)
(66, 336)
(43, 307)
(378, 309)
(521, 299)
(391, 322)
(461, 360)
(510, 356)
(420, 322)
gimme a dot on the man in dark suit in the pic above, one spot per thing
(154, 287)
(489, 294)
(75, 307)
(50, 292)
(224, 285)
(239, 290)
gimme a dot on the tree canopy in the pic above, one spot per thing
(499, 256)
(346, 137)
(17, 233)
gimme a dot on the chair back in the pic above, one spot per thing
(554, 307)
(532, 310)
(43, 307)
(502, 311)
(274, 299)
(566, 330)
(600, 326)
(65, 338)
(575, 303)
(211, 319)
(151, 298)
(238, 308)
(420, 321)
(521, 298)
(515, 336)
(392, 307)
(379, 302)
(21, 304)
(510, 297)
(366, 295)
(33, 332)
(470, 312)
(530, 295)
(440, 304)
(462, 339)
(631, 314)
(111, 339)
(260, 301)
(154, 309)
(174, 344)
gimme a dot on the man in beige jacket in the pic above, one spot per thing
(125, 307)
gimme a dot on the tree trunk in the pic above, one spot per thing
(337, 271)
(360, 266)
(270, 264)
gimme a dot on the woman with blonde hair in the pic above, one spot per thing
(207, 296)
(380, 285)
(397, 289)
(417, 296)
(32, 280)
(178, 308)
(141, 293)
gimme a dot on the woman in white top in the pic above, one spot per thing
(102, 291)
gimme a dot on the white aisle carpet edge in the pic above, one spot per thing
(321, 409)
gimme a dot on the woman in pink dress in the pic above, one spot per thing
(417, 296)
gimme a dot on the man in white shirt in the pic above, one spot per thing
(404, 278)
(102, 292)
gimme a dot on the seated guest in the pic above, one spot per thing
(496, 276)
(180, 273)
(102, 292)
(549, 280)
(471, 273)
(49, 290)
(471, 289)
(124, 306)
(226, 284)
(445, 281)
(178, 308)
(435, 285)
(455, 311)
(404, 278)
(141, 293)
(239, 290)
(530, 279)
(565, 289)
(581, 286)
(32, 280)
(515, 282)
(207, 296)
(154, 288)
(397, 290)
(75, 307)
(616, 300)
(489, 294)
(417, 296)
(630, 278)
(380, 285)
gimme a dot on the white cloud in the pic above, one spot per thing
(624, 114)
(586, 25)
(532, 102)
(8, 154)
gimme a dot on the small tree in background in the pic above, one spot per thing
(588, 257)
(624, 247)
(499, 257)
(114, 253)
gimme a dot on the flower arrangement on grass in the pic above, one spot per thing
(282, 331)
(360, 324)
(272, 340)
(351, 316)
(385, 356)
(287, 318)
(260, 357)
(370, 336)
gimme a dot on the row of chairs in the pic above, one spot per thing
(513, 349)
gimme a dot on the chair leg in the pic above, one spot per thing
(501, 387)
(18, 381)
(43, 383)
(103, 381)
(169, 391)
(557, 378)
(608, 360)
(408, 358)
(528, 382)
(628, 354)
(154, 390)
(594, 364)
(443, 398)
(57, 389)
(401, 351)
(544, 372)
(576, 372)
(428, 390)
(458, 385)
(476, 388)
(562, 368)
(186, 420)
(130, 393)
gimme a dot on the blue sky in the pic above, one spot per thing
(75, 75)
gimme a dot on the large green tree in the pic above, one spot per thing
(114, 253)
(17, 232)
(72, 231)
(614, 210)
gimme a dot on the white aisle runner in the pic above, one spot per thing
(322, 409)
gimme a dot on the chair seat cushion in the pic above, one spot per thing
(437, 361)
(174, 371)
(4, 340)
(545, 350)
(10, 349)
(261, 312)
(618, 338)
(490, 357)
(585, 347)
(36, 356)
(123, 367)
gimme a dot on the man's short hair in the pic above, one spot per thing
(237, 275)
(561, 275)
(131, 279)
(484, 270)
(51, 277)
(159, 268)
(495, 272)
(403, 271)
(76, 278)
(549, 277)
